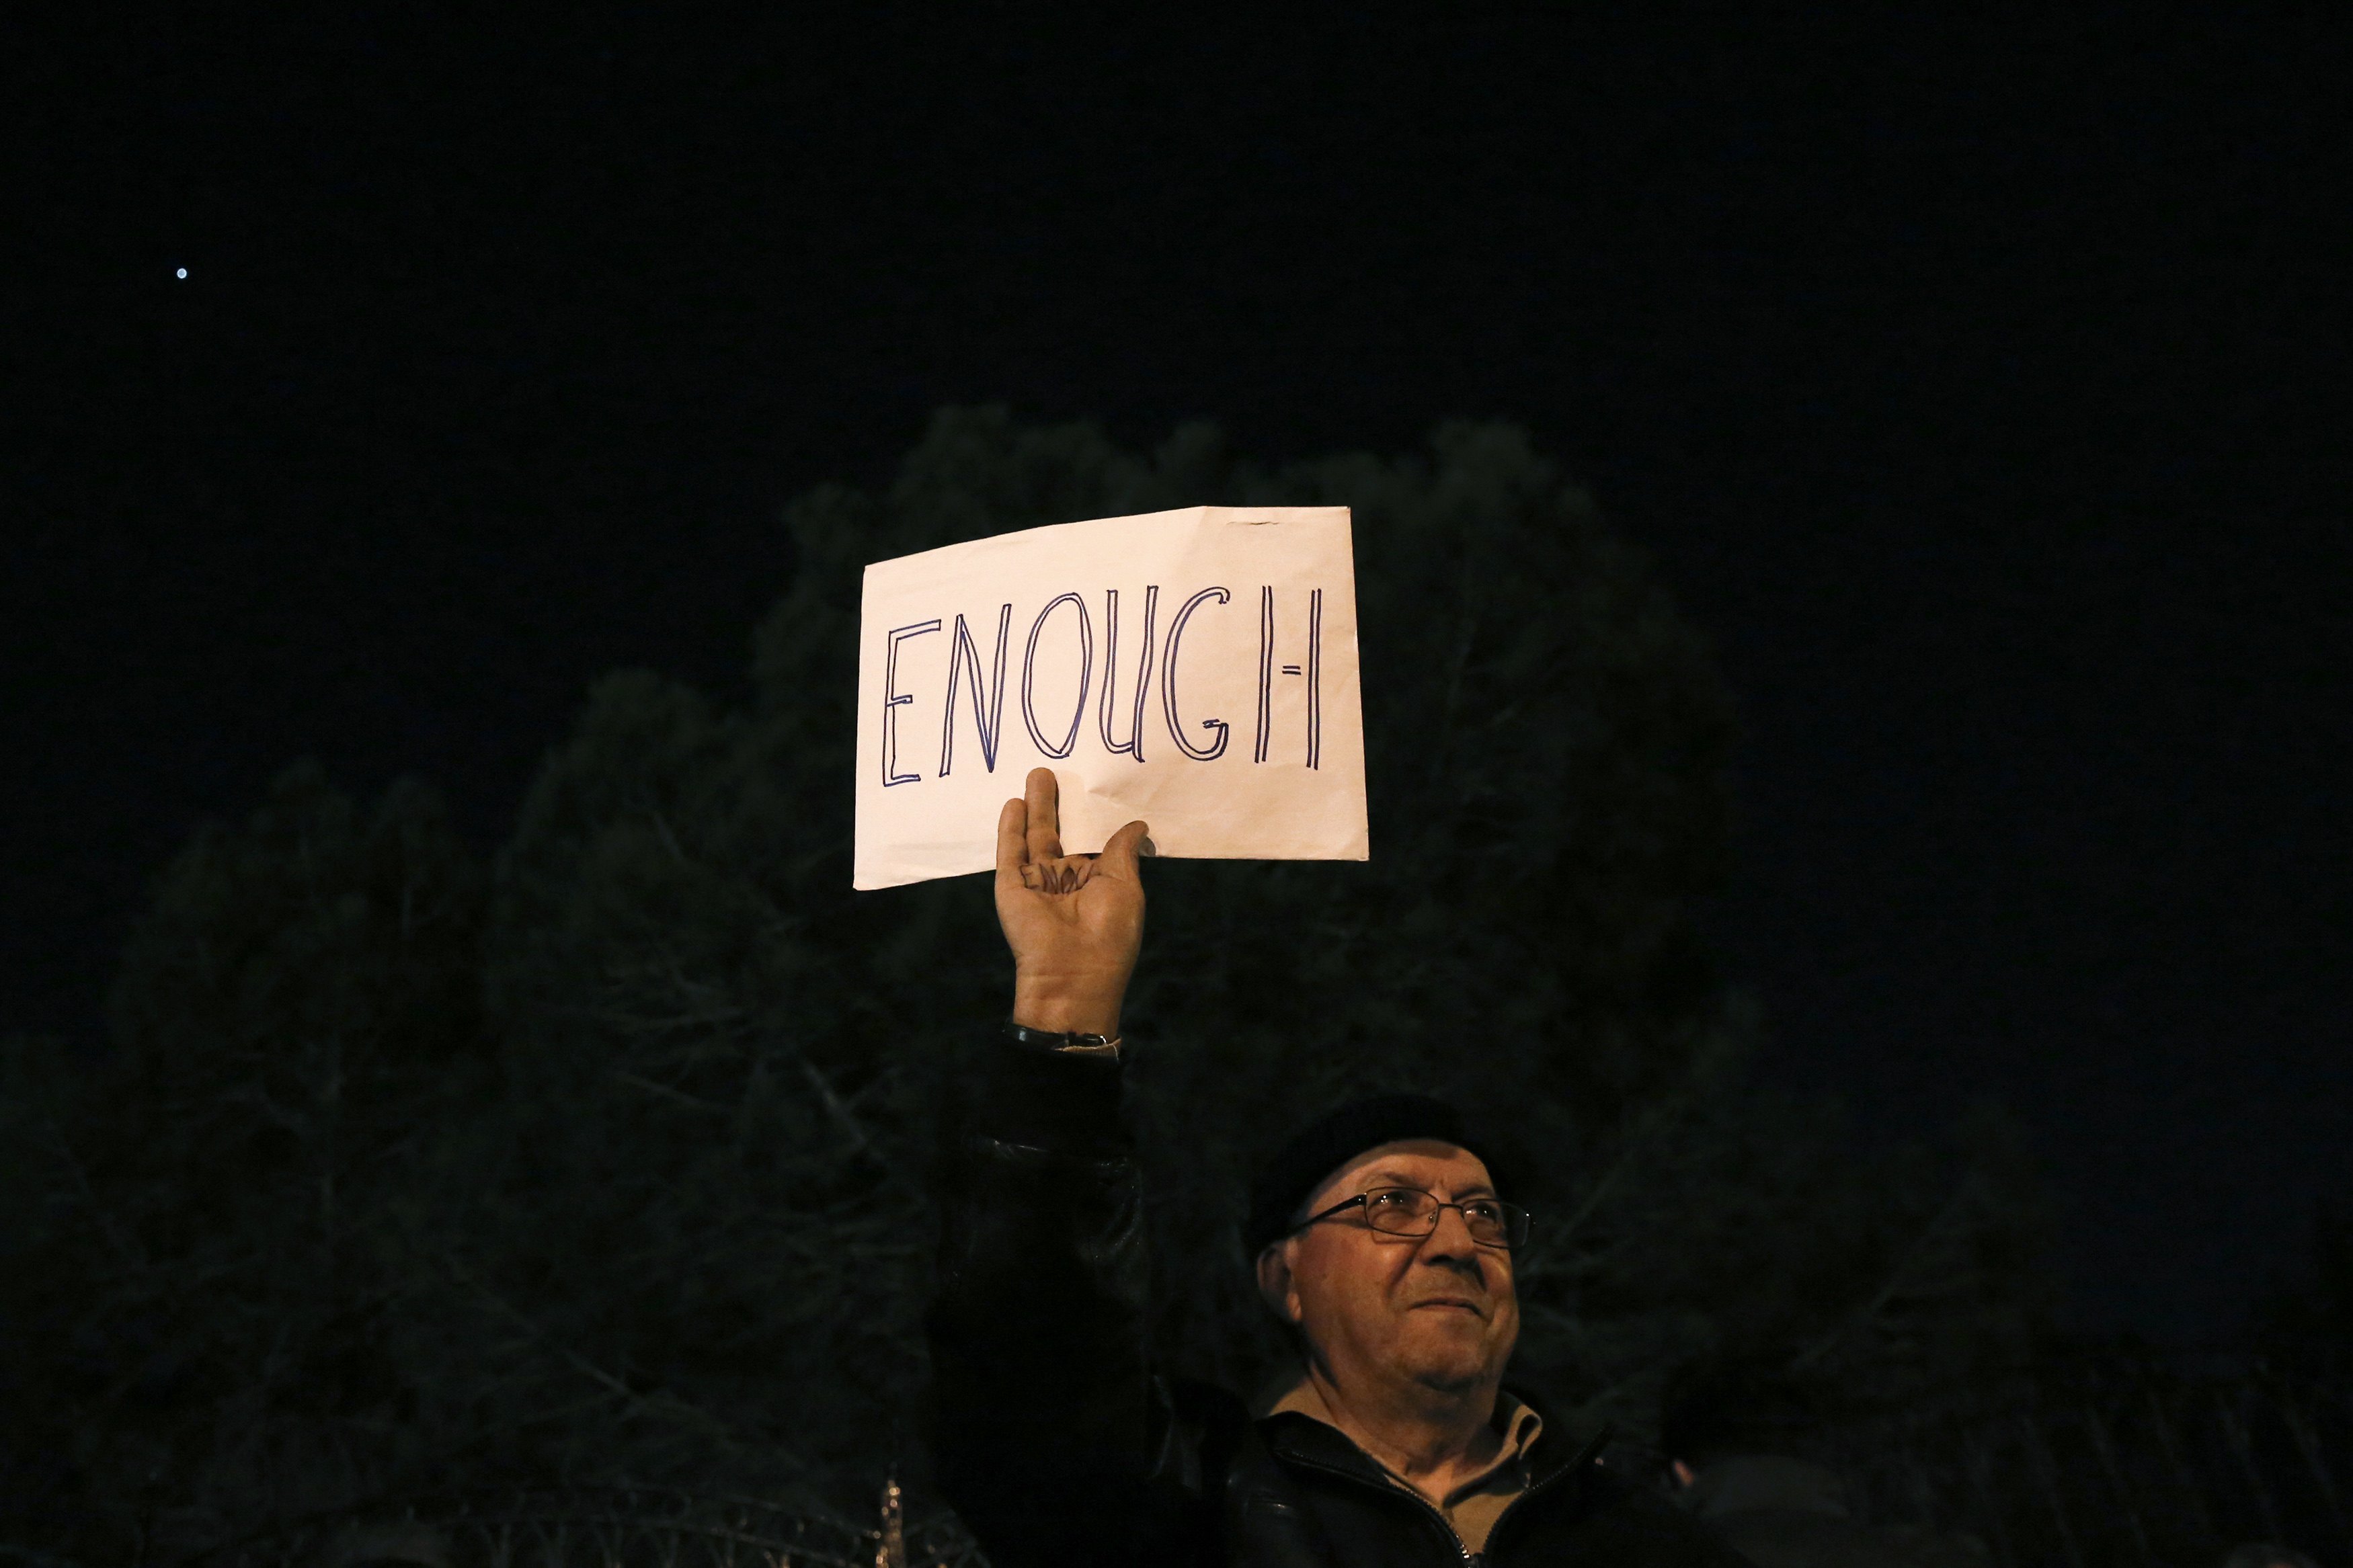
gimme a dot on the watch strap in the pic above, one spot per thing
(1060, 1043)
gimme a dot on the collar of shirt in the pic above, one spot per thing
(1515, 1423)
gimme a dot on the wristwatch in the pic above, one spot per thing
(1063, 1044)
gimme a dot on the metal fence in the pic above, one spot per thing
(601, 1527)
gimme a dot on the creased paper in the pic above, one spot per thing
(1195, 669)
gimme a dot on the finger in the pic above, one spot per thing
(1012, 844)
(1045, 815)
(1118, 857)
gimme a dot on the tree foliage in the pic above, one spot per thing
(610, 1160)
(208, 1311)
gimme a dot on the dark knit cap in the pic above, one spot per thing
(1330, 1142)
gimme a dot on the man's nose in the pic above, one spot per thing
(1451, 1238)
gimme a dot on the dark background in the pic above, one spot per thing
(1975, 389)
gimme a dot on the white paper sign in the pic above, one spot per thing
(1195, 669)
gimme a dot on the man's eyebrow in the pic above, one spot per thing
(1400, 1179)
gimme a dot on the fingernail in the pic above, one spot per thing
(1147, 846)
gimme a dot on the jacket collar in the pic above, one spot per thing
(1556, 1452)
(1294, 1435)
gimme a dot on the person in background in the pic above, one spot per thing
(1746, 1456)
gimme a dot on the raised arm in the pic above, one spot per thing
(1041, 1401)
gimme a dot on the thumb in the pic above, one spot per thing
(1118, 856)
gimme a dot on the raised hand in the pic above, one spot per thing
(1074, 921)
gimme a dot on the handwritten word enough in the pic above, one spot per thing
(977, 679)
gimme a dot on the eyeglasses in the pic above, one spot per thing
(1409, 1211)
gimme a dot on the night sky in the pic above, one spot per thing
(1977, 391)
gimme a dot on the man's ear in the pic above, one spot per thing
(1274, 1281)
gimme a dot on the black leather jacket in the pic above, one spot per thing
(1058, 1445)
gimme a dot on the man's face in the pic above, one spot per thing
(1435, 1312)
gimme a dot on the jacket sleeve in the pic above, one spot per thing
(1047, 1429)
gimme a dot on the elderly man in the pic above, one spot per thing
(1377, 1233)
